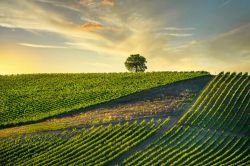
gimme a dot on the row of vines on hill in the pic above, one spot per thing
(25, 98)
(94, 146)
(214, 131)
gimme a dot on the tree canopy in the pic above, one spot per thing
(136, 63)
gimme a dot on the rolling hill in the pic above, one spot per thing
(211, 128)
(29, 98)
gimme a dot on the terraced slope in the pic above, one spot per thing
(94, 146)
(214, 131)
(27, 98)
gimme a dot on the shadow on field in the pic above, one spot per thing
(182, 89)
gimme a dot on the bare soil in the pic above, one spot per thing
(161, 102)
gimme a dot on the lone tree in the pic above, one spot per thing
(136, 63)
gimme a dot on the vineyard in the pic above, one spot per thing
(214, 130)
(94, 146)
(26, 98)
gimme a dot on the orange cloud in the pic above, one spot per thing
(95, 3)
(91, 26)
(108, 2)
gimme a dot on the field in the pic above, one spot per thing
(214, 131)
(186, 119)
(27, 98)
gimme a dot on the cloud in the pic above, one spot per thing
(116, 36)
(94, 3)
(91, 26)
(228, 48)
(115, 30)
(231, 46)
(175, 31)
(228, 51)
(178, 34)
(189, 45)
(89, 3)
(226, 2)
(31, 17)
(108, 2)
(178, 29)
(40, 45)
(28, 15)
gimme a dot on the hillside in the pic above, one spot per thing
(28, 98)
(214, 131)
(159, 102)
(211, 129)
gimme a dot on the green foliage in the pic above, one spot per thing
(25, 98)
(214, 131)
(94, 146)
(136, 63)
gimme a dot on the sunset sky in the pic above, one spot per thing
(48, 36)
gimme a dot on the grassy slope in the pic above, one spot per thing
(25, 98)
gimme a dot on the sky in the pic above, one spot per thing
(72, 36)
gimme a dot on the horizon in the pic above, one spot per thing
(96, 36)
(125, 72)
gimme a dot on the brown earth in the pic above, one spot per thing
(170, 100)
